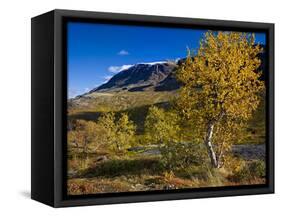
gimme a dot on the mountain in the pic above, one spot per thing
(157, 76)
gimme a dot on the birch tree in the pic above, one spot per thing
(119, 132)
(221, 88)
(161, 127)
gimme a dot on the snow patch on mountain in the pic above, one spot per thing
(117, 69)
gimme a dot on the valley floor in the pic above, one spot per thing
(140, 168)
(141, 171)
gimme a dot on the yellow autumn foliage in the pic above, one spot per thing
(221, 86)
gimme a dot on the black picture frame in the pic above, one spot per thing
(49, 98)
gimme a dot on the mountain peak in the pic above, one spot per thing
(138, 77)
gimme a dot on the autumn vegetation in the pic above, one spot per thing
(185, 141)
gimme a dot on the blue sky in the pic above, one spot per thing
(97, 51)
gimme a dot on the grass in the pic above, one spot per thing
(118, 101)
(146, 182)
(133, 171)
(138, 173)
(118, 167)
(251, 170)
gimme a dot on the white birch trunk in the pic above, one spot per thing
(209, 145)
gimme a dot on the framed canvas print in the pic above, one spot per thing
(132, 108)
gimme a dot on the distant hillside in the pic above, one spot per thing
(139, 85)
(117, 101)
(158, 76)
(155, 76)
(134, 89)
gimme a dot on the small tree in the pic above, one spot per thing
(98, 135)
(161, 126)
(107, 122)
(119, 133)
(125, 131)
(82, 134)
(221, 88)
(164, 128)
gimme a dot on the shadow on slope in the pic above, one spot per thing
(136, 114)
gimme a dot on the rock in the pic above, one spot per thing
(101, 159)
(168, 187)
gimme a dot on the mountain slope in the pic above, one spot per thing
(140, 77)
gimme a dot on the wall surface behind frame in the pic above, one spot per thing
(15, 126)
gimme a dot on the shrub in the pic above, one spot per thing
(254, 169)
(233, 164)
(119, 167)
(257, 168)
(179, 156)
(241, 175)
